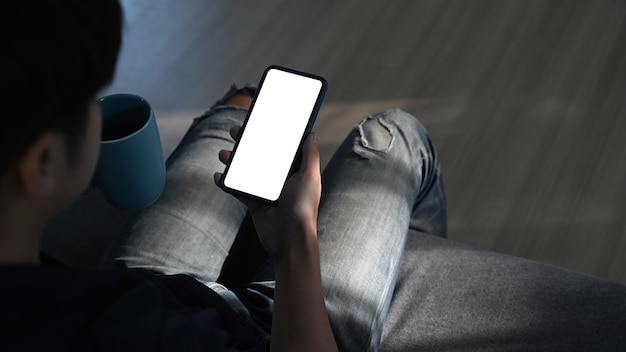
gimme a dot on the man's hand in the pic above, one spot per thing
(288, 232)
(295, 215)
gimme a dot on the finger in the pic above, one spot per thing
(224, 156)
(234, 132)
(310, 155)
(217, 177)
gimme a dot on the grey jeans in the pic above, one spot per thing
(383, 180)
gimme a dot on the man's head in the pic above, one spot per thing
(55, 55)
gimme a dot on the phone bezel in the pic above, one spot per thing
(307, 131)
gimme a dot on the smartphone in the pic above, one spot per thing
(282, 114)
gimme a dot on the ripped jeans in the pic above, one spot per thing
(383, 180)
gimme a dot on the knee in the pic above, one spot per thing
(408, 125)
(393, 128)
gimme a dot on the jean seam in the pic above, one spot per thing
(378, 322)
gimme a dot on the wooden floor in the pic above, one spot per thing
(525, 99)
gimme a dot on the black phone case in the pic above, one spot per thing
(295, 165)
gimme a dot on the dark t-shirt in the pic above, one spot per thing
(64, 309)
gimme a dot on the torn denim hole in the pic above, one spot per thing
(376, 134)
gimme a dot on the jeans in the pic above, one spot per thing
(383, 180)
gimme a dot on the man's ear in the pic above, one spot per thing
(38, 168)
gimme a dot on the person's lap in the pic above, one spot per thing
(191, 228)
(383, 180)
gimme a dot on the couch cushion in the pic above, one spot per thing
(451, 297)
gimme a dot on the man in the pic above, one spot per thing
(333, 254)
(160, 290)
(55, 57)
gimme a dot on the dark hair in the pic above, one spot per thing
(55, 55)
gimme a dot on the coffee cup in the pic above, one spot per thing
(131, 169)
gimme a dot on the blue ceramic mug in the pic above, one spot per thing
(131, 170)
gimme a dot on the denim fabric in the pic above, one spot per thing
(383, 180)
(191, 228)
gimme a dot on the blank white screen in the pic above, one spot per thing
(272, 134)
